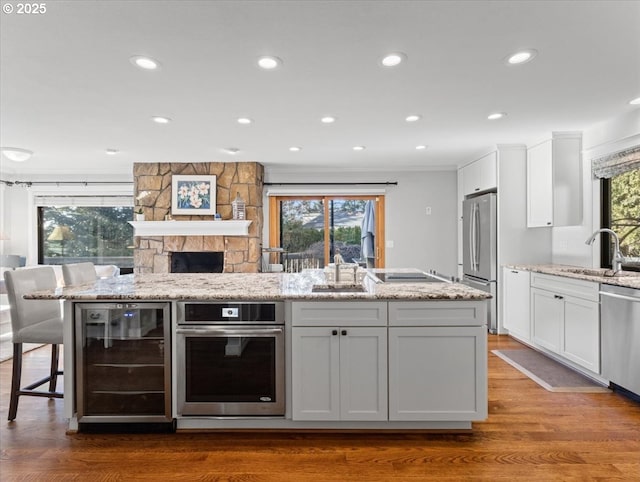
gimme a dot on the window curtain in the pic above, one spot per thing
(617, 163)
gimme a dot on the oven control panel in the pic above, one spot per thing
(229, 312)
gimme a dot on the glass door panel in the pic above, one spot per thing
(302, 233)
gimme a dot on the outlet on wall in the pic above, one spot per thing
(428, 210)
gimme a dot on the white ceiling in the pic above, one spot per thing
(68, 90)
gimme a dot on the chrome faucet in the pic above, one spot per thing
(617, 259)
(337, 260)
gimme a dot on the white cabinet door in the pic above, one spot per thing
(547, 314)
(480, 175)
(339, 373)
(581, 335)
(540, 185)
(437, 373)
(363, 374)
(516, 299)
(315, 373)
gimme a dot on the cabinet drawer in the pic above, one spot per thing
(587, 290)
(339, 313)
(438, 313)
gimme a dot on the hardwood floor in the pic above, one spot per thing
(531, 434)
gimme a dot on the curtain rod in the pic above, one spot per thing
(388, 183)
(58, 183)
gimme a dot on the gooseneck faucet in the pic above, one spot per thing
(617, 259)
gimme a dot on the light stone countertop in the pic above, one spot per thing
(629, 279)
(253, 286)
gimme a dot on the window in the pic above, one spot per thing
(312, 229)
(621, 213)
(78, 229)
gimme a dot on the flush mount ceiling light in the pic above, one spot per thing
(496, 115)
(295, 149)
(393, 59)
(16, 154)
(269, 62)
(359, 148)
(145, 63)
(160, 120)
(111, 152)
(230, 150)
(244, 120)
(413, 118)
(521, 57)
(635, 101)
(421, 147)
(328, 119)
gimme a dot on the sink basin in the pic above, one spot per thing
(603, 272)
(338, 288)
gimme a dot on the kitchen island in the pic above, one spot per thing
(380, 356)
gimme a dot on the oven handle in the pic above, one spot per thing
(229, 331)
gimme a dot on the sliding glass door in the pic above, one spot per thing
(311, 230)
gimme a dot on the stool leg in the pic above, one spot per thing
(55, 359)
(15, 380)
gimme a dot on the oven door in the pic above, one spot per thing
(230, 370)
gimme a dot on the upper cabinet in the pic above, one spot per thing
(480, 175)
(554, 181)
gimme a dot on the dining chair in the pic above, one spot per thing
(33, 321)
(79, 273)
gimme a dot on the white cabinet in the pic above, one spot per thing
(566, 318)
(554, 181)
(480, 175)
(339, 370)
(515, 302)
(437, 361)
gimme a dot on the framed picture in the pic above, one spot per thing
(193, 195)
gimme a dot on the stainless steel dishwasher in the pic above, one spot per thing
(620, 340)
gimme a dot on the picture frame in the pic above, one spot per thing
(193, 195)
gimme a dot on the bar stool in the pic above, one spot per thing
(33, 321)
(79, 273)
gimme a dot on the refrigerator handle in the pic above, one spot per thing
(476, 241)
(471, 237)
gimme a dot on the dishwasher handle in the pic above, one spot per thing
(620, 297)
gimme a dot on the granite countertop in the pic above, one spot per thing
(253, 286)
(629, 279)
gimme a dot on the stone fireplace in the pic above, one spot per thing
(152, 190)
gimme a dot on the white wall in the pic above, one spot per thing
(604, 138)
(419, 240)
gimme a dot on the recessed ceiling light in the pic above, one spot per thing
(421, 147)
(145, 63)
(295, 149)
(16, 154)
(413, 118)
(244, 120)
(268, 62)
(496, 116)
(393, 59)
(359, 148)
(521, 57)
(230, 150)
(111, 152)
(635, 101)
(161, 120)
(328, 119)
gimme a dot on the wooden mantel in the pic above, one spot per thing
(191, 228)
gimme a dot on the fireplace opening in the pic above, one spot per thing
(197, 262)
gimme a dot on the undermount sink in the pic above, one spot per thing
(338, 288)
(602, 272)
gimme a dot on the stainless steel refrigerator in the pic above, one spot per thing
(479, 258)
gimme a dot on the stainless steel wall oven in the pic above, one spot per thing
(230, 359)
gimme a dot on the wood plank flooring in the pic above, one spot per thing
(531, 435)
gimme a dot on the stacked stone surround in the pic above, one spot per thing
(242, 254)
